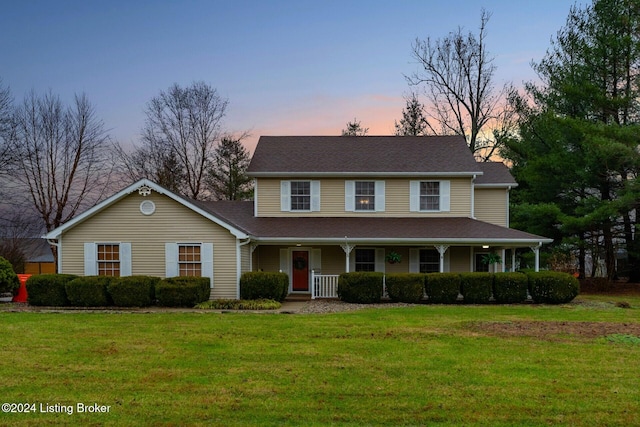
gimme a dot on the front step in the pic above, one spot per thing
(298, 297)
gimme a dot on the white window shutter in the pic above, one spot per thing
(316, 260)
(414, 196)
(207, 261)
(380, 196)
(285, 196)
(171, 259)
(349, 196)
(380, 260)
(445, 196)
(414, 260)
(315, 196)
(90, 263)
(125, 259)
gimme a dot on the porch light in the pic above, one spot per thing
(485, 246)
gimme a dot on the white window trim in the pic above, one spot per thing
(350, 196)
(445, 196)
(285, 196)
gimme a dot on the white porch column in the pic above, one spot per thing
(503, 262)
(513, 259)
(347, 248)
(441, 250)
(536, 251)
(252, 249)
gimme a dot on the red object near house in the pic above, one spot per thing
(21, 296)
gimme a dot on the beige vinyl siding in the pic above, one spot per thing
(459, 259)
(171, 222)
(491, 205)
(332, 198)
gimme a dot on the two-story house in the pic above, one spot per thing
(322, 206)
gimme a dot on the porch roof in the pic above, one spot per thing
(412, 230)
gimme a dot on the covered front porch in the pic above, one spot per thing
(314, 267)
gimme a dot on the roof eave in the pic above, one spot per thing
(359, 174)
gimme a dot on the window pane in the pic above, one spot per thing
(365, 195)
(429, 261)
(300, 195)
(430, 196)
(109, 260)
(365, 260)
(189, 261)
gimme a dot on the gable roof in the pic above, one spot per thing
(290, 156)
(55, 233)
(412, 230)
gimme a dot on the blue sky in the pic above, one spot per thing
(287, 67)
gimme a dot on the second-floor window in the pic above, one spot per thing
(430, 196)
(364, 196)
(299, 196)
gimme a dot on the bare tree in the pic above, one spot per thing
(354, 128)
(413, 121)
(182, 129)
(228, 178)
(459, 77)
(6, 112)
(62, 156)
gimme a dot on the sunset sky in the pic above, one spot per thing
(287, 67)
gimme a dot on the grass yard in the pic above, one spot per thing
(424, 365)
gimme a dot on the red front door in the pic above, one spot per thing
(300, 268)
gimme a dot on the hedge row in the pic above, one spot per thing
(61, 290)
(446, 288)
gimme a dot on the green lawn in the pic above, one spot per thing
(425, 365)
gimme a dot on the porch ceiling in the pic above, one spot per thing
(411, 230)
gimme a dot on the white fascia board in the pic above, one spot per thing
(360, 174)
(55, 233)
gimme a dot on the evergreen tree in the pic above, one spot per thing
(413, 121)
(228, 178)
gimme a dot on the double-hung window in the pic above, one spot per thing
(429, 261)
(108, 257)
(299, 196)
(189, 260)
(430, 196)
(365, 260)
(364, 196)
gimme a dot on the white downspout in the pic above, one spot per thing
(473, 197)
(58, 253)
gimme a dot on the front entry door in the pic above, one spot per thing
(300, 268)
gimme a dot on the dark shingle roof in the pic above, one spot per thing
(342, 155)
(495, 173)
(423, 230)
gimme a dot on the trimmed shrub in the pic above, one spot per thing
(9, 281)
(48, 289)
(509, 288)
(442, 288)
(553, 287)
(408, 287)
(133, 291)
(89, 291)
(264, 285)
(360, 287)
(182, 291)
(477, 288)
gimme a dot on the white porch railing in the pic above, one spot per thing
(324, 285)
